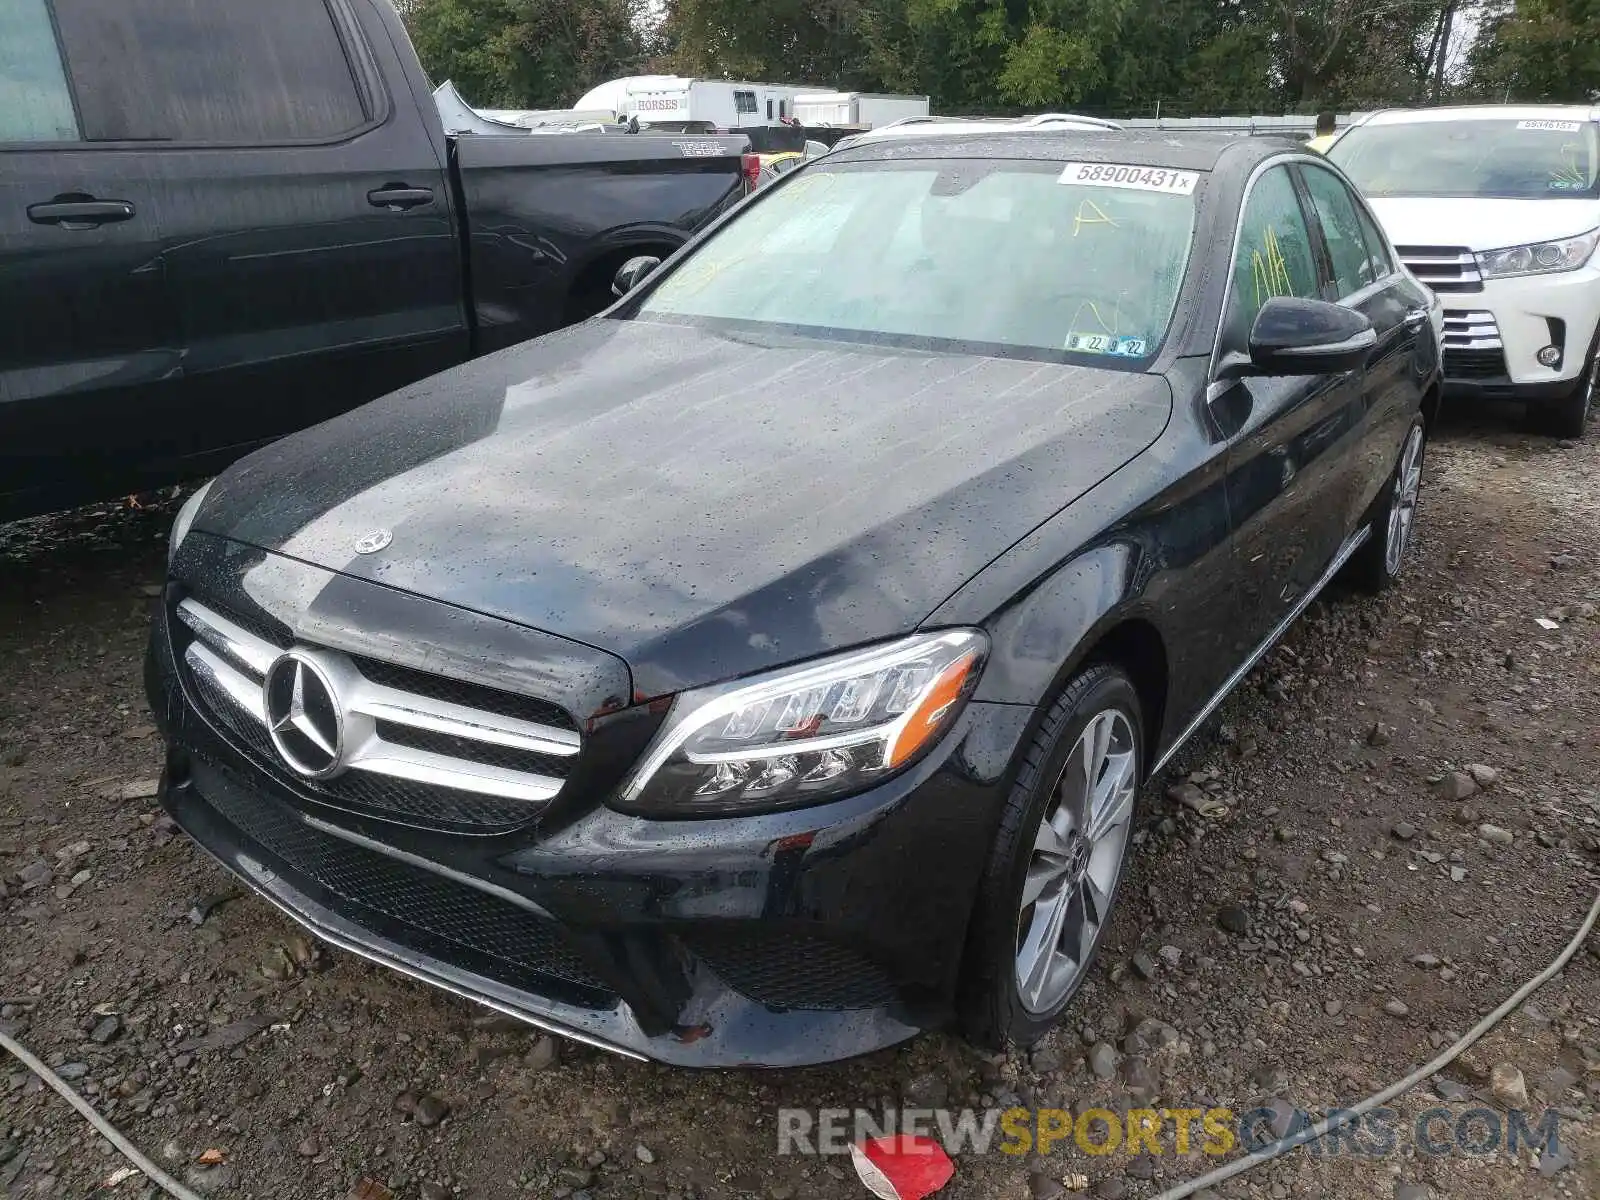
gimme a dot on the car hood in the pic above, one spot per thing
(1481, 224)
(702, 505)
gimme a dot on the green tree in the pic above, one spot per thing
(1538, 50)
(525, 53)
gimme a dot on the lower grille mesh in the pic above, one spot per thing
(793, 972)
(1474, 364)
(416, 907)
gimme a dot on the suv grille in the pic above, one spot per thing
(1443, 268)
(417, 748)
(1472, 347)
(435, 916)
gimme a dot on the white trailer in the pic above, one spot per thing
(856, 110)
(724, 103)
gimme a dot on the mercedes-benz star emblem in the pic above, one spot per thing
(303, 715)
(371, 543)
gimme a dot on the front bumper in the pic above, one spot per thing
(1493, 336)
(777, 940)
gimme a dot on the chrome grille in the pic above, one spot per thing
(1443, 268)
(413, 754)
(1470, 330)
(1472, 348)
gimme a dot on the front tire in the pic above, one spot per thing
(1057, 862)
(1569, 417)
(1378, 564)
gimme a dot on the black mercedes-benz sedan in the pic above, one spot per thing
(765, 670)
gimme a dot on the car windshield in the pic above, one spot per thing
(998, 257)
(1527, 159)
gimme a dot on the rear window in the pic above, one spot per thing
(1526, 159)
(220, 71)
(1003, 255)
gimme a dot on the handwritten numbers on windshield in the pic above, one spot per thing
(1120, 175)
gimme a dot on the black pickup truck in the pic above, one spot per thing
(222, 222)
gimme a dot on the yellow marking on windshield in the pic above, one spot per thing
(1571, 175)
(1110, 327)
(1099, 216)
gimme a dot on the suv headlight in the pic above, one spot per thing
(180, 527)
(808, 733)
(1539, 258)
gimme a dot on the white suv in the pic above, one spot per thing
(1497, 208)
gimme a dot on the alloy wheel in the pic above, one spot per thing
(1076, 860)
(1403, 505)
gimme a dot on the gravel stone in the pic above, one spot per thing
(1103, 1060)
(1494, 835)
(431, 1109)
(1233, 918)
(1508, 1086)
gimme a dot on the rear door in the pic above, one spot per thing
(90, 354)
(1363, 276)
(306, 225)
(1288, 480)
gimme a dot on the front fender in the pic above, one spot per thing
(1041, 638)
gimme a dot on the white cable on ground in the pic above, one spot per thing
(1329, 1124)
(106, 1130)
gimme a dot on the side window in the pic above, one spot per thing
(221, 71)
(35, 104)
(1274, 255)
(744, 102)
(1377, 244)
(769, 110)
(1347, 245)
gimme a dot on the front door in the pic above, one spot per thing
(90, 353)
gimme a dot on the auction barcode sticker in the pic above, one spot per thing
(1122, 175)
(1552, 126)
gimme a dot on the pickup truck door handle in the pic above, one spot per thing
(83, 213)
(397, 197)
(1415, 318)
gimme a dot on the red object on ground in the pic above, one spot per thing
(902, 1167)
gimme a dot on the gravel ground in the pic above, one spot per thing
(1408, 827)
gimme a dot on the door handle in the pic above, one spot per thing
(397, 197)
(80, 213)
(1416, 317)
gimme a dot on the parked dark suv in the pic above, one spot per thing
(764, 670)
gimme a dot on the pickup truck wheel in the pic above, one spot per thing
(1057, 862)
(1382, 557)
(1569, 417)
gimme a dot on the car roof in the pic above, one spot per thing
(1172, 149)
(1483, 112)
(932, 126)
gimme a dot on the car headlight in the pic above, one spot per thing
(808, 733)
(180, 527)
(1539, 258)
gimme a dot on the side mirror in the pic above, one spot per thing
(1304, 337)
(631, 272)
